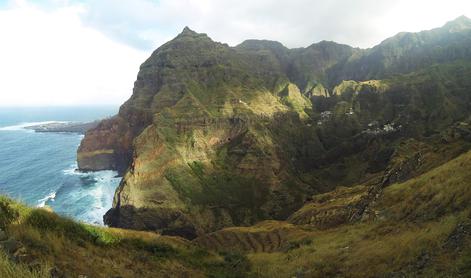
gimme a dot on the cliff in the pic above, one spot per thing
(216, 136)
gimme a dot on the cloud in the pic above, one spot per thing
(146, 24)
(48, 57)
(71, 52)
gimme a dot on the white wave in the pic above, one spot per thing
(22, 126)
(99, 175)
(73, 171)
(50, 197)
(101, 193)
(103, 175)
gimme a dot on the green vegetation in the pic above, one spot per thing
(48, 243)
(293, 98)
(361, 157)
(422, 228)
(240, 196)
(7, 213)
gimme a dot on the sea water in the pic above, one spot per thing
(39, 169)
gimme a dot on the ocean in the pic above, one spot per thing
(39, 169)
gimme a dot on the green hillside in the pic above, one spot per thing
(39, 243)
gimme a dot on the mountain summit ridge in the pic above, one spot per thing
(458, 24)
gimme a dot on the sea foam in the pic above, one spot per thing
(50, 197)
(97, 192)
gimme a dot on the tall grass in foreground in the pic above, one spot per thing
(9, 269)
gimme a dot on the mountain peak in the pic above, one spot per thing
(462, 18)
(459, 24)
(188, 31)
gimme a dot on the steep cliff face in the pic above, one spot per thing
(106, 147)
(208, 159)
(216, 136)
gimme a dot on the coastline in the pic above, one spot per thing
(68, 127)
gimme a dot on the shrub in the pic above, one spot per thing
(101, 236)
(155, 248)
(46, 221)
(235, 265)
(7, 214)
(291, 245)
(43, 220)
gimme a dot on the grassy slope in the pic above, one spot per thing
(418, 231)
(52, 244)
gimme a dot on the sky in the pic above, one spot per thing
(84, 52)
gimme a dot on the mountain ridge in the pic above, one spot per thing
(208, 125)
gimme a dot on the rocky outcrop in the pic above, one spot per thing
(331, 209)
(106, 147)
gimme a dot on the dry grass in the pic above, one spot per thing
(74, 249)
(9, 269)
(362, 250)
(409, 237)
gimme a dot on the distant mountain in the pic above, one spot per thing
(217, 136)
(408, 52)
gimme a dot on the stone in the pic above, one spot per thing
(56, 273)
